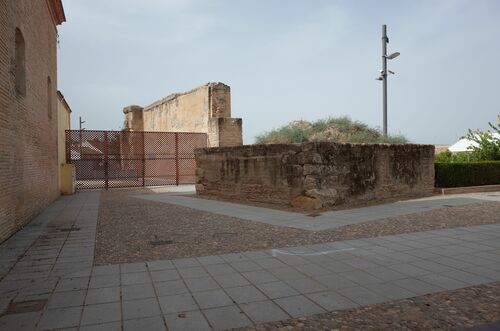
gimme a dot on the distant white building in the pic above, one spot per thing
(466, 145)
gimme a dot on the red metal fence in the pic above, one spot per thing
(107, 159)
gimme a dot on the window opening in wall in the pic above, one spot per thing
(20, 63)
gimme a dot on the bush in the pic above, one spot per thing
(459, 174)
(334, 129)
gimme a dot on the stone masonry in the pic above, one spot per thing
(205, 109)
(315, 175)
(28, 111)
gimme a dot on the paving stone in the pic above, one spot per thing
(219, 269)
(154, 323)
(135, 278)
(194, 272)
(177, 303)
(66, 299)
(160, 265)
(138, 291)
(104, 281)
(306, 285)
(103, 270)
(331, 300)
(170, 288)
(224, 318)
(102, 295)
(264, 311)
(231, 280)
(312, 270)
(133, 267)
(72, 284)
(286, 273)
(243, 266)
(201, 284)
(60, 318)
(270, 263)
(443, 281)
(245, 294)
(335, 281)
(188, 321)
(391, 291)
(409, 270)
(210, 260)
(186, 263)
(298, 306)
(101, 313)
(276, 290)
(360, 277)
(22, 321)
(385, 274)
(140, 308)
(211, 299)
(113, 326)
(164, 275)
(361, 295)
(234, 257)
(417, 286)
(259, 276)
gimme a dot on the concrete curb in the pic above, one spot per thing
(467, 189)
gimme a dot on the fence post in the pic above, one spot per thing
(106, 160)
(176, 159)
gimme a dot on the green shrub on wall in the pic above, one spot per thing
(467, 173)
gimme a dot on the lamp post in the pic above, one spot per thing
(384, 73)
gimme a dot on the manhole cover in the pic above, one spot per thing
(69, 229)
(161, 242)
(313, 215)
(26, 306)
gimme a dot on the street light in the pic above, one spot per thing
(384, 73)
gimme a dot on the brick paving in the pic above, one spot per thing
(49, 280)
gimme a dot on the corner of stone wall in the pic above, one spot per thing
(133, 118)
(219, 96)
(224, 132)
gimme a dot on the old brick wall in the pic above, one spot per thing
(205, 109)
(28, 121)
(328, 174)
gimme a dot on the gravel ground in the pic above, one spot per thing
(132, 229)
(451, 310)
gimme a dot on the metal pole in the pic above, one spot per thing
(384, 75)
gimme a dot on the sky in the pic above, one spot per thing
(288, 60)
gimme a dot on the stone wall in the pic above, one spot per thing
(28, 111)
(316, 175)
(205, 109)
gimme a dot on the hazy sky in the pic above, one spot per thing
(288, 60)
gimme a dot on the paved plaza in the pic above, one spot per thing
(48, 279)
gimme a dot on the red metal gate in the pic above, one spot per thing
(107, 159)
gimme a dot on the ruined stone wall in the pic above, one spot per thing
(28, 113)
(316, 174)
(205, 109)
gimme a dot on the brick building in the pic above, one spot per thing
(28, 110)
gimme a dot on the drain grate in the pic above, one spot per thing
(313, 215)
(26, 306)
(161, 242)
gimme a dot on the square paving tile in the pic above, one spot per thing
(243, 266)
(276, 290)
(112, 326)
(306, 285)
(210, 260)
(177, 303)
(299, 305)
(22, 321)
(102, 295)
(104, 270)
(201, 284)
(264, 311)
(331, 300)
(72, 284)
(60, 318)
(391, 291)
(137, 291)
(231, 280)
(361, 295)
(135, 278)
(286, 273)
(66, 299)
(164, 275)
(335, 281)
(193, 272)
(417, 286)
(259, 276)
(170, 288)
(188, 321)
(312, 269)
(140, 308)
(219, 269)
(186, 263)
(104, 281)
(211, 299)
(154, 323)
(245, 294)
(160, 265)
(101, 313)
(133, 267)
(224, 318)
(360, 277)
